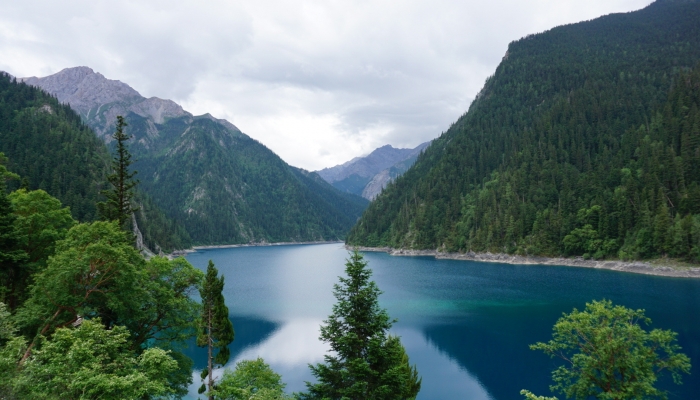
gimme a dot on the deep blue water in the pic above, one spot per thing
(466, 325)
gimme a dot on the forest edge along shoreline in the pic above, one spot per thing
(637, 267)
(657, 267)
(194, 249)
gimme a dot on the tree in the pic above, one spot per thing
(12, 257)
(168, 313)
(91, 362)
(250, 380)
(608, 355)
(366, 363)
(214, 330)
(40, 222)
(95, 273)
(118, 206)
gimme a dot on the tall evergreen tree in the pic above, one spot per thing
(214, 330)
(367, 362)
(118, 206)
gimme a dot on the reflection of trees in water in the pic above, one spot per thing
(249, 332)
(495, 351)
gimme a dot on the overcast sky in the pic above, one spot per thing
(318, 82)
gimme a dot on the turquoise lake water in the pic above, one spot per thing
(466, 325)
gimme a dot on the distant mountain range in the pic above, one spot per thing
(222, 185)
(367, 176)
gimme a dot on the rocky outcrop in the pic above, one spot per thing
(637, 267)
(99, 100)
(140, 244)
(377, 184)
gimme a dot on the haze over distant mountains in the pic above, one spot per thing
(367, 176)
(224, 186)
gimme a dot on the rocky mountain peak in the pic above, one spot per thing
(85, 89)
(99, 100)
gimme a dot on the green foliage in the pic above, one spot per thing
(250, 380)
(529, 396)
(410, 372)
(41, 222)
(49, 147)
(89, 273)
(608, 355)
(118, 206)
(214, 328)
(366, 362)
(576, 118)
(97, 273)
(94, 273)
(226, 187)
(92, 362)
(11, 349)
(167, 313)
(12, 257)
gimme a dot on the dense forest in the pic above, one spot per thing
(227, 188)
(585, 141)
(221, 185)
(49, 147)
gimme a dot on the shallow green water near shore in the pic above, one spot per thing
(467, 325)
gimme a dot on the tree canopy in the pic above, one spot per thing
(250, 380)
(608, 355)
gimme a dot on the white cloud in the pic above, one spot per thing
(317, 82)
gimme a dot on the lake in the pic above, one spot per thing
(466, 325)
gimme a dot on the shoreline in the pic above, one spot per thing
(636, 267)
(194, 249)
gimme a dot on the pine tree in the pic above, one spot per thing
(118, 206)
(367, 362)
(214, 330)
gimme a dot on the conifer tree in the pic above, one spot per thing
(118, 206)
(367, 362)
(214, 330)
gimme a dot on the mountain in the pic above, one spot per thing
(99, 100)
(221, 184)
(367, 176)
(585, 141)
(51, 149)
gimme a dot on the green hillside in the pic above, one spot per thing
(226, 187)
(51, 149)
(585, 141)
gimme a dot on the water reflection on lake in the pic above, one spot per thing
(466, 325)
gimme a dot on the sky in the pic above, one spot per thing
(318, 82)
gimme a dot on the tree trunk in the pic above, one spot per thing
(209, 345)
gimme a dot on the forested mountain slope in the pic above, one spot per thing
(51, 149)
(585, 141)
(222, 185)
